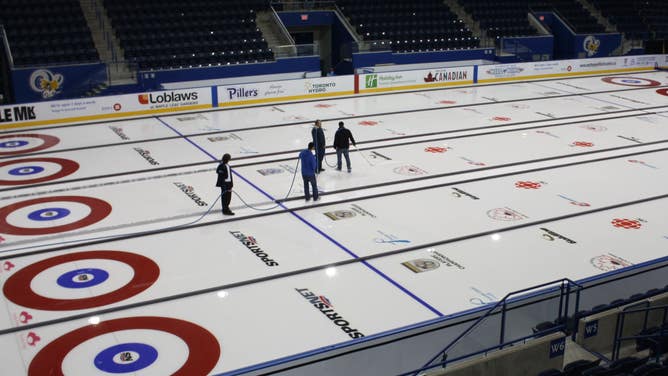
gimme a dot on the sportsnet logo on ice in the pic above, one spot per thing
(251, 243)
(324, 305)
(169, 99)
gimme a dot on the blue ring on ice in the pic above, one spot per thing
(26, 170)
(13, 144)
(79, 279)
(104, 361)
(49, 214)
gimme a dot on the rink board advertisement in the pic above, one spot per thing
(264, 92)
(564, 68)
(415, 79)
(91, 109)
(203, 98)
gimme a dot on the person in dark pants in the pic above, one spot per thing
(225, 183)
(319, 143)
(342, 139)
(309, 165)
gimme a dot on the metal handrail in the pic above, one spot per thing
(8, 50)
(280, 24)
(616, 347)
(503, 303)
(349, 27)
(306, 4)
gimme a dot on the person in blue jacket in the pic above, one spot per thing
(319, 143)
(309, 165)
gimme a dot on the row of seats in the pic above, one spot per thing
(500, 18)
(196, 13)
(628, 366)
(18, 33)
(175, 34)
(33, 12)
(199, 60)
(52, 40)
(417, 26)
(220, 28)
(638, 19)
(36, 3)
(190, 46)
(47, 32)
(179, 5)
(202, 23)
(54, 56)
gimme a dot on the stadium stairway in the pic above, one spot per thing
(106, 43)
(470, 22)
(271, 30)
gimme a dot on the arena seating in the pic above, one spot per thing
(629, 366)
(409, 26)
(47, 32)
(605, 316)
(500, 18)
(573, 12)
(177, 34)
(637, 19)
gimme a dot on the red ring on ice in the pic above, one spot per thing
(99, 210)
(18, 290)
(203, 347)
(649, 83)
(67, 168)
(49, 141)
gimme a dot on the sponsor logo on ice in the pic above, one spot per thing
(505, 214)
(325, 306)
(190, 192)
(409, 170)
(629, 224)
(609, 262)
(252, 245)
(552, 236)
(386, 238)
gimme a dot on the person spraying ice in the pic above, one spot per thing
(318, 136)
(309, 165)
(225, 183)
(342, 139)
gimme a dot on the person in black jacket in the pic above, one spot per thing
(319, 143)
(342, 137)
(225, 183)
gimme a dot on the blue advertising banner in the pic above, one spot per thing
(596, 45)
(57, 82)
